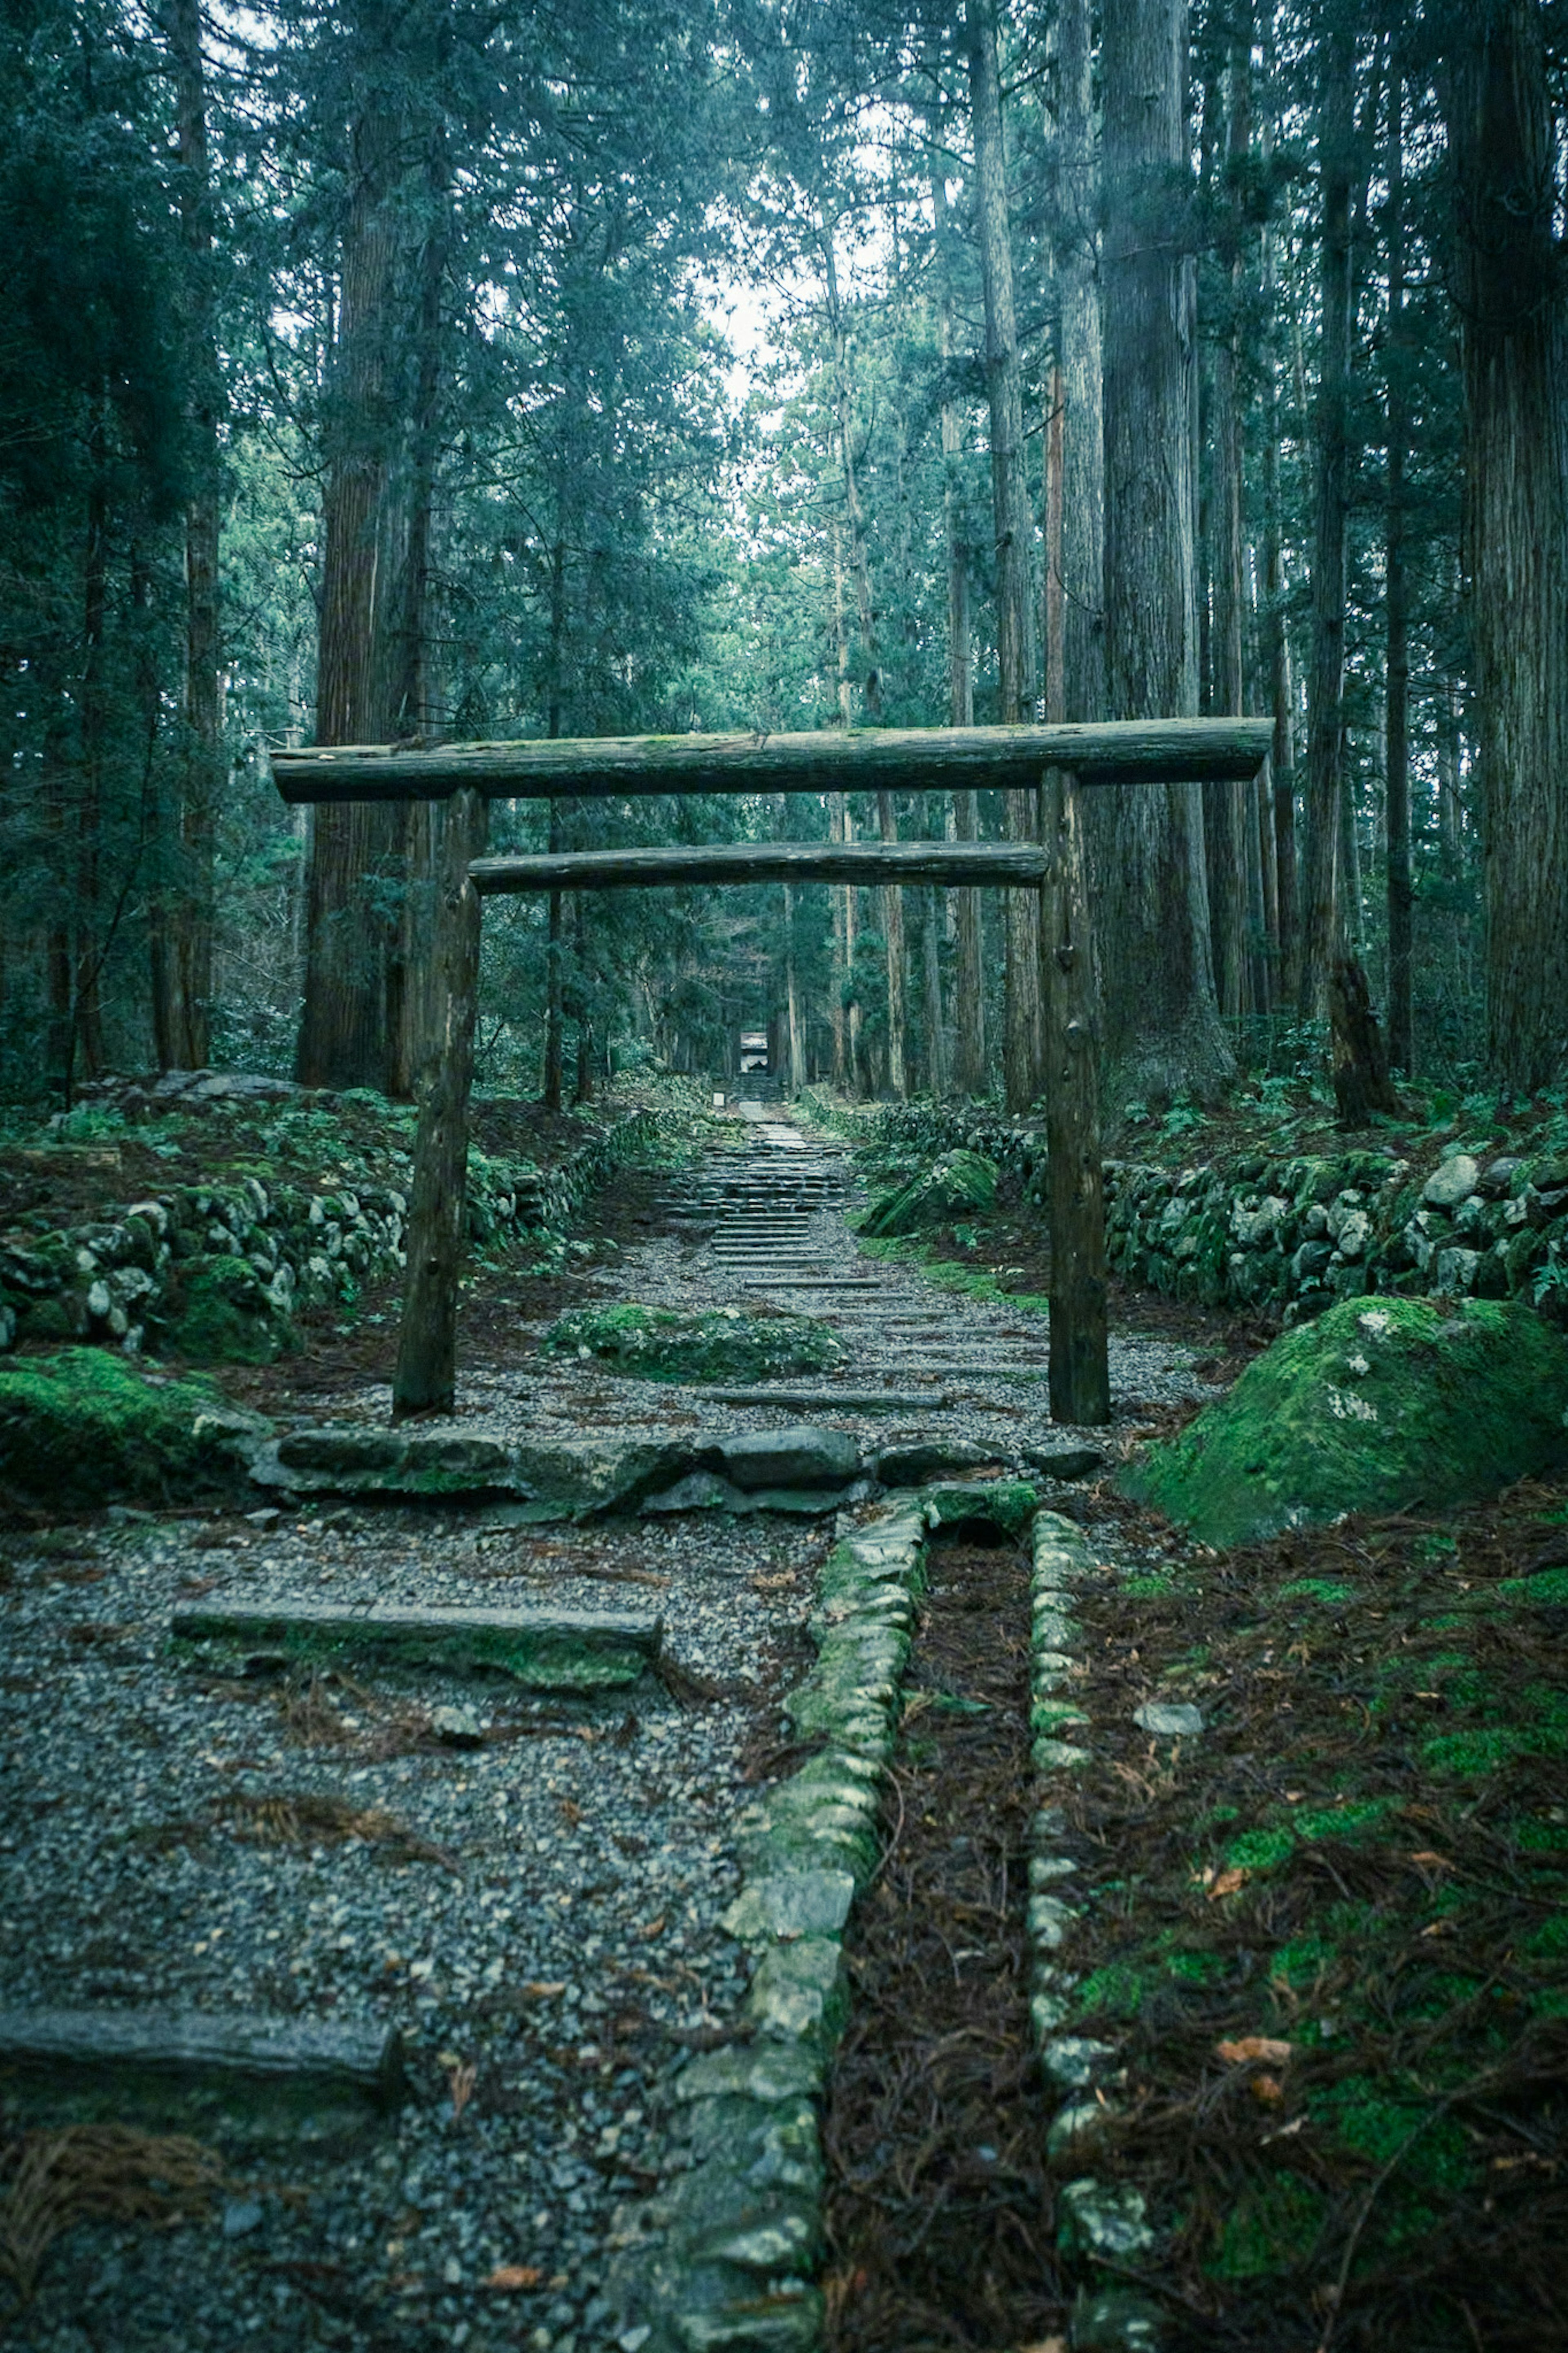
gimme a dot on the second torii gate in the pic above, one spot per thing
(1055, 759)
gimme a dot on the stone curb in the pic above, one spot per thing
(725, 2257)
(1101, 2225)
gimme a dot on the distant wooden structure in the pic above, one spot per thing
(1054, 760)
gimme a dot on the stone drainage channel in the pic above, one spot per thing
(486, 1941)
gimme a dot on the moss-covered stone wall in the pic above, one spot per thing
(215, 1272)
(1285, 1236)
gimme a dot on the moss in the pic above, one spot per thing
(1273, 2227)
(661, 1343)
(1326, 1589)
(1260, 1850)
(1432, 2151)
(1115, 1992)
(89, 1427)
(1372, 1408)
(222, 1315)
(958, 1185)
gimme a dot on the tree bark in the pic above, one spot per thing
(969, 1004)
(425, 1378)
(893, 935)
(853, 513)
(1509, 279)
(1017, 659)
(1080, 1358)
(1396, 708)
(1230, 838)
(184, 987)
(1083, 436)
(1321, 910)
(353, 850)
(1163, 1032)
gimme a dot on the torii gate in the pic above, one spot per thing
(1055, 760)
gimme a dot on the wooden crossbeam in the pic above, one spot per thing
(1013, 863)
(903, 759)
(1054, 761)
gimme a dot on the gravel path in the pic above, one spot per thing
(536, 1912)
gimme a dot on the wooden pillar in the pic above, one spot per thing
(426, 1380)
(1080, 1372)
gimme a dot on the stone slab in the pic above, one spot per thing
(548, 1649)
(242, 2071)
(802, 1401)
(803, 1456)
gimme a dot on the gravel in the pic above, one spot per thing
(539, 1916)
(561, 1940)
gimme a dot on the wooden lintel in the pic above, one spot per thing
(905, 759)
(976, 863)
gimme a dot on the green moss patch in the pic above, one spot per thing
(224, 1313)
(661, 1343)
(958, 1185)
(1377, 1407)
(88, 1427)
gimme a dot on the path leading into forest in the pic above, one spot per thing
(519, 1896)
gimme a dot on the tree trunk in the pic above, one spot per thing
(1325, 717)
(969, 1024)
(1281, 817)
(860, 564)
(1163, 1028)
(184, 1027)
(1362, 1084)
(354, 849)
(1229, 838)
(426, 1380)
(893, 934)
(969, 983)
(1015, 650)
(1083, 437)
(1080, 1359)
(930, 959)
(1396, 710)
(836, 1014)
(792, 999)
(1514, 313)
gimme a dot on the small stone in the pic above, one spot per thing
(1075, 2061)
(1168, 1719)
(241, 2215)
(789, 1904)
(1103, 2221)
(1454, 1182)
(457, 1728)
(1063, 1462)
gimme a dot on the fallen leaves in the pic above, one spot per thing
(1250, 2050)
(1225, 1883)
(652, 1928)
(510, 2279)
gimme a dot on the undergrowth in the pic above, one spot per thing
(1331, 1934)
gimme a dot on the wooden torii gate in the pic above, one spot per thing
(1055, 760)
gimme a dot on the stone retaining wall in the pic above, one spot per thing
(1287, 1235)
(198, 1264)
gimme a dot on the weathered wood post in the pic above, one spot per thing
(427, 1376)
(1079, 1367)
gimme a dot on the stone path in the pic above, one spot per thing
(523, 1891)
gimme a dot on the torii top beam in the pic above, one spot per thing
(906, 759)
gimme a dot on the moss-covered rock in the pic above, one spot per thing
(88, 1427)
(959, 1185)
(662, 1344)
(1375, 1407)
(223, 1312)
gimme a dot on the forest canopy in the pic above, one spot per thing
(434, 372)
